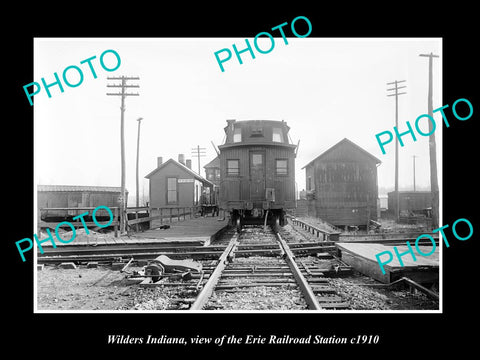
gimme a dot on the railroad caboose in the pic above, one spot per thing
(257, 165)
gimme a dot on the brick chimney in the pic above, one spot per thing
(159, 161)
(189, 163)
(181, 159)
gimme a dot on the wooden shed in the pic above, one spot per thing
(212, 171)
(342, 184)
(410, 201)
(75, 196)
(173, 184)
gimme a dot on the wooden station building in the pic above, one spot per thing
(174, 184)
(342, 185)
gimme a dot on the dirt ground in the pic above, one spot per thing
(104, 289)
(82, 289)
(357, 291)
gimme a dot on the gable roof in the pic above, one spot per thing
(183, 167)
(343, 142)
(215, 163)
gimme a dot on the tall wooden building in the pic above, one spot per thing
(342, 184)
(212, 171)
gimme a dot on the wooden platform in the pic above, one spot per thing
(201, 229)
(362, 258)
(197, 231)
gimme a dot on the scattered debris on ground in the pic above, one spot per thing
(104, 289)
(364, 293)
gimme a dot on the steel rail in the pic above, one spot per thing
(213, 279)
(106, 253)
(307, 291)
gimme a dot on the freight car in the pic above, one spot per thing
(257, 171)
(75, 196)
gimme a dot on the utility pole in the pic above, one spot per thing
(123, 94)
(138, 152)
(396, 94)
(432, 144)
(414, 156)
(198, 152)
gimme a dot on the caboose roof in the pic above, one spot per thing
(345, 143)
(257, 122)
(257, 132)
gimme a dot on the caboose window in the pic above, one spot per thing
(233, 167)
(256, 131)
(257, 159)
(281, 167)
(237, 135)
(277, 135)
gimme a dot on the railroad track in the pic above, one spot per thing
(148, 251)
(255, 269)
(265, 282)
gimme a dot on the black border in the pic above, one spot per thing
(85, 334)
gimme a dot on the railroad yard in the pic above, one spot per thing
(258, 270)
(241, 239)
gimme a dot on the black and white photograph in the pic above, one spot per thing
(233, 189)
(256, 188)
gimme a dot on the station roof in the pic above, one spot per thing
(189, 171)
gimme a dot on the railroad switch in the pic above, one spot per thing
(163, 266)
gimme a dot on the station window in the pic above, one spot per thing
(237, 135)
(233, 167)
(217, 174)
(281, 167)
(171, 190)
(277, 135)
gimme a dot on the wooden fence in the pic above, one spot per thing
(162, 214)
(76, 223)
(167, 215)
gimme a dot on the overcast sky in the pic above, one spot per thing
(325, 89)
